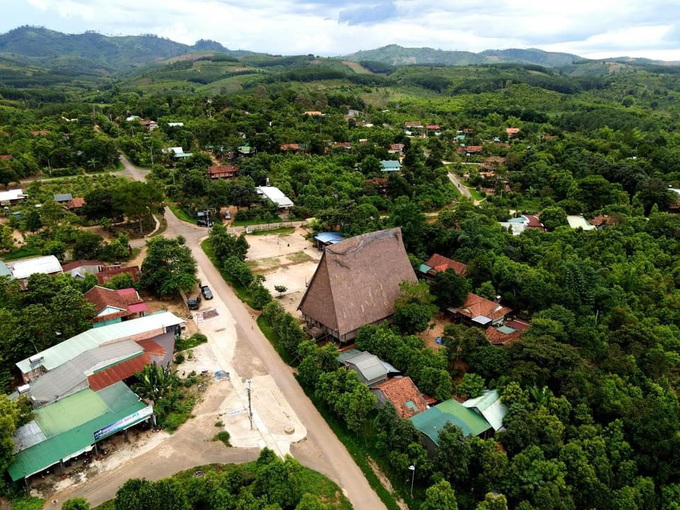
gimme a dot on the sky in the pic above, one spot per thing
(590, 28)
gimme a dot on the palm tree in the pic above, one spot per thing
(93, 163)
(155, 382)
(540, 395)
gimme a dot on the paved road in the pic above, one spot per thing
(321, 450)
(461, 187)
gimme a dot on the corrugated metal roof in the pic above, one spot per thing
(24, 268)
(432, 421)
(103, 409)
(329, 237)
(72, 376)
(490, 407)
(70, 412)
(138, 307)
(4, 270)
(118, 372)
(69, 349)
(275, 195)
(27, 436)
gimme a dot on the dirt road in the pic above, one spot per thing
(321, 450)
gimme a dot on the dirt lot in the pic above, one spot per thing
(288, 260)
(430, 336)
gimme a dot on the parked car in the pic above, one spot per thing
(204, 223)
(194, 302)
(207, 293)
(227, 215)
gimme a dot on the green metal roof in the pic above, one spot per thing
(432, 421)
(424, 268)
(71, 424)
(390, 166)
(67, 350)
(4, 270)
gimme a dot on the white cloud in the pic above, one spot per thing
(331, 27)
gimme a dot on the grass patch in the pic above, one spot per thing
(161, 228)
(21, 253)
(28, 504)
(299, 256)
(182, 213)
(281, 232)
(191, 342)
(475, 194)
(241, 291)
(268, 332)
(529, 205)
(224, 437)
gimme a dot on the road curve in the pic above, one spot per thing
(334, 455)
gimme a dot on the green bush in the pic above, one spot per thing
(223, 436)
(179, 359)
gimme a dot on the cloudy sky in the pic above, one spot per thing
(591, 28)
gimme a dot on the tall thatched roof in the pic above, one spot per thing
(357, 281)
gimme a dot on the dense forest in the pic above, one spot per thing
(591, 387)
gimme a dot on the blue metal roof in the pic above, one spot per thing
(390, 166)
(329, 237)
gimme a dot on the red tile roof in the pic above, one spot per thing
(217, 171)
(400, 391)
(475, 306)
(433, 127)
(344, 145)
(75, 203)
(290, 147)
(412, 124)
(397, 147)
(152, 347)
(5, 156)
(474, 149)
(518, 324)
(102, 298)
(497, 337)
(119, 372)
(439, 263)
(534, 222)
(109, 272)
(512, 131)
(598, 221)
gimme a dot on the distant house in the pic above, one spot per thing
(275, 195)
(355, 284)
(79, 268)
(132, 118)
(390, 166)
(314, 113)
(75, 204)
(370, 369)
(12, 197)
(396, 148)
(342, 145)
(413, 125)
(548, 138)
(62, 198)
(291, 147)
(108, 272)
(577, 221)
(522, 223)
(22, 269)
(5, 156)
(115, 305)
(178, 152)
(512, 131)
(40, 132)
(434, 129)
(603, 221)
(175, 124)
(471, 150)
(431, 422)
(403, 394)
(324, 239)
(223, 171)
(479, 311)
(150, 125)
(438, 264)
(245, 150)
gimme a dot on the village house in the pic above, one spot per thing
(324, 239)
(108, 272)
(522, 223)
(62, 198)
(434, 129)
(396, 148)
(512, 131)
(390, 165)
(314, 113)
(479, 311)
(22, 269)
(223, 171)
(403, 394)
(342, 145)
(578, 221)
(150, 125)
(276, 196)
(79, 268)
(438, 264)
(75, 204)
(603, 221)
(472, 150)
(355, 284)
(12, 196)
(113, 306)
(291, 147)
(370, 369)
(502, 335)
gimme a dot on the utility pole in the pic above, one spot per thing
(413, 477)
(250, 407)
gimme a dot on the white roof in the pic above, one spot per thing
(21, 269)
(579, 222)
(517, 228)
(175, 124)
(490, 407)
(67, 350)
(176, 150)
(275, 195)
(133, 117)
(13, 194)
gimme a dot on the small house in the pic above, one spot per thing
(113, 306)
(223, 171)
(396, 148)
(275, 195)
(291, 147)
(578, 221)
(79, 268)
(471, 150)
(390, 166)
(22, 269)
(512, 131)
(62, 198)
(108, 272)
(12, 197)
(75, 204)
(490, 407)
(434, 129)
(438, 264)
(370, 369)
(403, 394)
(604, 221)
(479, 311)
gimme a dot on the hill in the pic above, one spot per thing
(394, 54)
(43, 46)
